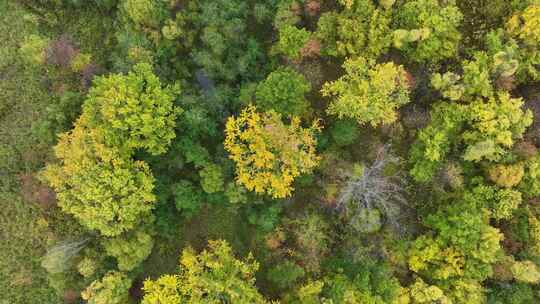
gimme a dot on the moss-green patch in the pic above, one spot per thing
(212, 223)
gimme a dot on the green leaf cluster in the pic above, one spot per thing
(368, 92)
(360, 29)
(129, 249)
(283, 91)
(428, 30)
(133, 111)
(212, 276)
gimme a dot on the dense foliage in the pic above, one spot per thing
(269, 154)
(368, 93)
(212, 276)
(292, 151)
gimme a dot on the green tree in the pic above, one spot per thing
(369, 92)
(360, 29)
(367, 283)
(212, 178)
(487, 128)
(227, 51)
(309, 293)
(212, 276)
(449, 85)
(285, 274)
(422, 293)
(287, 13)
(480, 75)
(534, 233)
(188, 199)
(129, 249)
(144, 13)
(269, 154)
(345, 132)
(505, 202)
(284, 92)
(87, 267)
(132, 111)
(494, 125)
(113, 288)
(433, 26)
(506, 176)
(526, 271)
(97, 185)
(464, 291)
(500, 202)
(291, 41)
(476, 76)
(513, 59)
(464, 245)
(33, 49)
(516, 293)
(311, 237)
(530, 183)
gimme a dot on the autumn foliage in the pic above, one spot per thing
(269, 154)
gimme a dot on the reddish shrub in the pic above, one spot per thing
(502, 270)
(312, 70)
(60, 52)
(509, 243)
(275, 239)
(512, 246)
(71, 296)
(525, 149)
(452, 175)
(59, 88)
(135, 292)
(88, 73)
(295, 8)
(313, 7)
(411, 81)
(312, 49)
(21, 278)
(535, 201)
(32, 190)
(506, 83)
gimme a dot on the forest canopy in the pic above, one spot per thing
(270, 151)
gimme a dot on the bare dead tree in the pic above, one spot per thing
(373, 191)
(60, 257)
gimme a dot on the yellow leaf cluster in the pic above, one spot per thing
(506, 176)
(96, 178)
(268, 154)
(98, 185)
(526, 25)
(534, 228)
(208, 277)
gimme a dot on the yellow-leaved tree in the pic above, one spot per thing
(368, 92)
(268, 153)
(212, 276)
(96, 178)
(99, 187)
(133, 111)
(113, 288)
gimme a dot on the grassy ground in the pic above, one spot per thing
(23, 228)
(27, 228)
